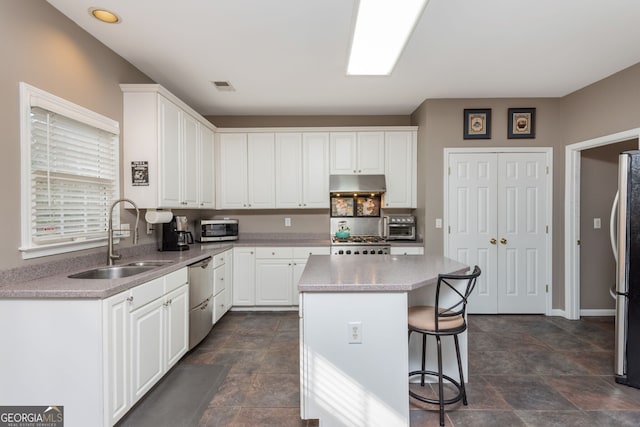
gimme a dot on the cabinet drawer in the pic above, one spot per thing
(147, 292)
(219, 305)
(175, 280)
(304, 252)
(219, 260)
(274, 252)
(218, 280)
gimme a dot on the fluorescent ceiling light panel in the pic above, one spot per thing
(381, 31)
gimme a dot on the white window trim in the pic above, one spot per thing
(31, 96)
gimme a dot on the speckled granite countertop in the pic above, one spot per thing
(61, 286)
(383, 273)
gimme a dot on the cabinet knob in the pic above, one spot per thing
(493, 241)
(130, 299)
(354, 171)
(503, 241)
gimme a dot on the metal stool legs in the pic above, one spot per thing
(440, 401)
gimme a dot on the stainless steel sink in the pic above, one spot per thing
(149, 263)
(112, 272)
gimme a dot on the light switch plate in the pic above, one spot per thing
(597, 223)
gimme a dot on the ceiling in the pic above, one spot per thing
(289, 57)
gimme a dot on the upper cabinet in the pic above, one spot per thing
(357, 153)
(302, 170)
(246, 171)
(400, 169)
(168, 150)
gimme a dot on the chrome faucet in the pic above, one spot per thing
(112, 255)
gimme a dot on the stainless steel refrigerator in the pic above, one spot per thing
(627, 347)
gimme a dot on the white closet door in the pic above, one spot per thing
(473, 217)
(521, 233)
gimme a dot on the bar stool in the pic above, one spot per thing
(440, 321)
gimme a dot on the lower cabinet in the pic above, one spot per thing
(408, 250)
(268, 276)
(222, 279)
(146, 332)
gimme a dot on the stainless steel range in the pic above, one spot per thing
(360, 245)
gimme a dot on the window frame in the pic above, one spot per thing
(31, 96)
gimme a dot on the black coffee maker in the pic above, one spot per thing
(175, 236)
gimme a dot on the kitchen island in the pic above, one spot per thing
(354, 357)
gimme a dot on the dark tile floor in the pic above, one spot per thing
(524, 371)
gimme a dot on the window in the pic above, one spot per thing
(69, 174)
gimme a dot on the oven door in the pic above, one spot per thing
(400, 232)
(220, 231)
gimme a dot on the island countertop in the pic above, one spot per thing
(380, 273)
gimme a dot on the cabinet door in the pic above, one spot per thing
(218, 279)
(400, 170)
(206, 189)
(343, 153)
(244, 276)
(228, 267)
(116, 356)
(370, 153)
(169, 135)
(298, 267)
(189, 161)
(273, 282)
(147, 347)
(232, 175)
(176, 305)
(315, 170)
(410, 250)
(289, 170)
(261, 170)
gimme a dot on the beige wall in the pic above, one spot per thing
(42, 47)
(598, 185)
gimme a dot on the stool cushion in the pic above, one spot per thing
(423, 317)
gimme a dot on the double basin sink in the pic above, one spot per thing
(119, 271)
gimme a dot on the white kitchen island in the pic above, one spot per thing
(354, 357)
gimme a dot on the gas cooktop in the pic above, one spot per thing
(360, 241)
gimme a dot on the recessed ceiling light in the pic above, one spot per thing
(104, 15)
(381, 31)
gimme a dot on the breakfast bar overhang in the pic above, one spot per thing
(354, 353)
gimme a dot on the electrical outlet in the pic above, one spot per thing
(122, 232)
(354, 332)
(597, 223)
(438, 222)
(287, 222)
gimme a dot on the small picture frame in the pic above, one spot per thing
(477, 123)
(522, 123)
(342, 206)
(367, 206)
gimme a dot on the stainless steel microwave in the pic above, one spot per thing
(216, 230)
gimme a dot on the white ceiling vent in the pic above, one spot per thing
(223, 86)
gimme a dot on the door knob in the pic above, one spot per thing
(503, 241)
(493, 241)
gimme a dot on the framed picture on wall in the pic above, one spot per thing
(522, 123)
(477, 123)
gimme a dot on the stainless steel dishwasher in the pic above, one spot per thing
(200, 300)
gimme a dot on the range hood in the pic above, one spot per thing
(357, 184)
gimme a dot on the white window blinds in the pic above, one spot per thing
(72, 178)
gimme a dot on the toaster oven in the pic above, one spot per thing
(216, 230)
(400, 227)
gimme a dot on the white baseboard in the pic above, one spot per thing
(598, 312)
(557, 312)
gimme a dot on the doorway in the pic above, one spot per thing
(498, 216)
(573, 157)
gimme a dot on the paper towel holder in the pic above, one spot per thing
(153, 216)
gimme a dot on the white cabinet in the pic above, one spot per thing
(222, 271)
(244, 276)
(116, 350)
(302, 170)
(246, 164)
(406, 250)
(401, 169)
(357, 153)
(278, 270)
(205, 162)
(159, 329)
(163, 150)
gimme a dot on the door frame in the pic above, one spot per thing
(548, 151)
(572, 215)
